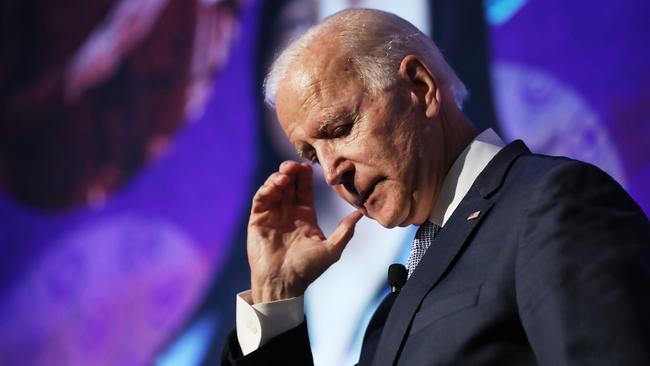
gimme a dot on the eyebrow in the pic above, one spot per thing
(332, 118)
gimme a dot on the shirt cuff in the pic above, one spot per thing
(258, 323)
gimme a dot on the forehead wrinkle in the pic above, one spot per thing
(301, 80)
(314, 68)
(297, 90)
(313, 94)
(305, 82)
(317, 93)
(338, 106)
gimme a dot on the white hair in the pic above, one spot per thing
(375, 42)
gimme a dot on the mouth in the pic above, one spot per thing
(363, 197)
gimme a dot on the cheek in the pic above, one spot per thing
(396, 136)
(396, 154)
(383, 148)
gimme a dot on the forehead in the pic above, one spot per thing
(320, 84)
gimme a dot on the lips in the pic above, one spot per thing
(363, 197)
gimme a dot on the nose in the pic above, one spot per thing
(334, 166)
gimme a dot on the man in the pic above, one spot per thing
(538, 259)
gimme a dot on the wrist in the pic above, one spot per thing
(268, 292)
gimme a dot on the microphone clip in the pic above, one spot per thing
(397, 276)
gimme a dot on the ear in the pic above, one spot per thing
(423, 86)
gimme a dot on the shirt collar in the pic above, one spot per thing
(462, 174)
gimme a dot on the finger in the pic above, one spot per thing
(289, 167)
(270, 192)
(278, 179)
(343, 233)
(265, 197)
(286, 181)
(304, 185)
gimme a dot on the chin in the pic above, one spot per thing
(386, 224)
(391, 217)
(411, 218)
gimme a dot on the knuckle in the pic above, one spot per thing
(264, 187)
(285, 164)
(281, 177)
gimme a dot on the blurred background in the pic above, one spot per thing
(133, 135)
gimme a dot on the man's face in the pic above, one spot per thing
(374, 148)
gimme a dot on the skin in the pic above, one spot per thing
(386, 153)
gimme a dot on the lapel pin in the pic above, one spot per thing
(473, 215)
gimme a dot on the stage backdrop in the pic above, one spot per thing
(132, 136)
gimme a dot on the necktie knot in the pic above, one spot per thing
(423, 239)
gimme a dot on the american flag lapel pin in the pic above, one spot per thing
(473, 215)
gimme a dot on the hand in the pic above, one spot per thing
(286, 248)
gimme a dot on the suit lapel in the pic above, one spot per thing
(432, 266)
(439, 257)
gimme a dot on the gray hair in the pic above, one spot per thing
(375, 43)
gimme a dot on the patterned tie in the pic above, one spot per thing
(423, 239)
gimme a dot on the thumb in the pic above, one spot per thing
(343, 233)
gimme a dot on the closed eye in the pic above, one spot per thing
(337, 126)
(342, 130)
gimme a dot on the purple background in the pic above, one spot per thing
(119, 284)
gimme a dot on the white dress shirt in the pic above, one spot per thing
(258, 323)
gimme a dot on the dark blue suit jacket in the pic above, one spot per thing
(555, 270)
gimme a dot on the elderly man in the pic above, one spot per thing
(532, 259)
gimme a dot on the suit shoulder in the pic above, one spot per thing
(552, 178)
(544, 168)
